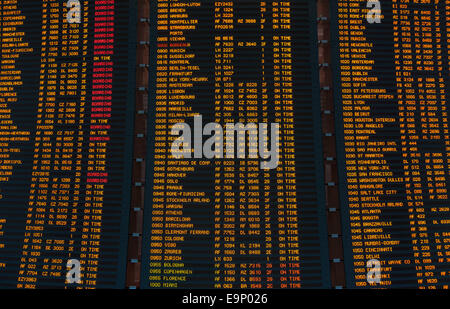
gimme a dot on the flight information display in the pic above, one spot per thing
(226, 144)
(214, 220)
(391, 75)
(65, 144)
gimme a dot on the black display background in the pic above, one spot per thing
(13, 207)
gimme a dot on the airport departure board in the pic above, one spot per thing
(224, 146)
(233, 222)
(65, 143)
(391, 76)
